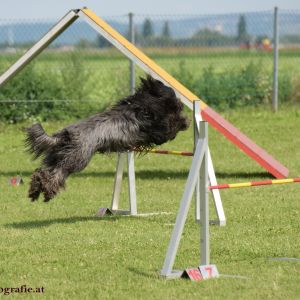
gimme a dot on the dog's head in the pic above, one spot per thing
(159, 111)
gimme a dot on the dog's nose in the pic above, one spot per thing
(185, 123)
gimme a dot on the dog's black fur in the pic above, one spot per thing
(152, 116)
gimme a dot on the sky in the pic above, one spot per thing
(52, 9)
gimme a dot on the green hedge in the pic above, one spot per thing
(38, 94)
(236, 87)
(41, 91)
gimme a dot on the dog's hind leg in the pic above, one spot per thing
(47, 181)
(35, 185)
(54, 181)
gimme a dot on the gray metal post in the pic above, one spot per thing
(275, 63)
(132, 40)
(204, 205)
(131, 184)
(118, 181)
(197, 120)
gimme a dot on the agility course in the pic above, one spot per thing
(203, 214)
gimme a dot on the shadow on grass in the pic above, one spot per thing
(246, 175)
(153, 174)
(70, 220)
(154, 274)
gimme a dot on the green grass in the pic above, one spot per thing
(63, 247)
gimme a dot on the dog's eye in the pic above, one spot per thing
(146, 114)
(149, 115)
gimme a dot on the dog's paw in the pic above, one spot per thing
(46, 199)
(34, 196)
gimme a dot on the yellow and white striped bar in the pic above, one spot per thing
(170, 152)
(254, 183)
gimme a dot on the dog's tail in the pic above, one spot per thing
(37, 141)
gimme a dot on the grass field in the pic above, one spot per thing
(196, 58)
(64, 248)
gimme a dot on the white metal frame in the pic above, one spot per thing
(118, 185)
(198, 173)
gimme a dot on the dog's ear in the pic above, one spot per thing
(147, 83)
(152, 86)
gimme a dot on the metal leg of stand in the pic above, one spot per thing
(118, 181)
(204, 205)
(131, 184)
(221, 219)
(197, 201)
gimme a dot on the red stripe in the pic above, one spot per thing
(296, 179)
(161, 151)
(187, 153)
(218, 187)
(171, 152)
(265, 182)
(244, 143)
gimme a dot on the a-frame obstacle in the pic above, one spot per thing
(150, 67)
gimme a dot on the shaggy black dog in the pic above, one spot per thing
(152, 116)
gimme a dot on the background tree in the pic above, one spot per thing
(166, 30)
(242, 35)
(147, 28)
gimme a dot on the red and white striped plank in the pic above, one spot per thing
(244, 143)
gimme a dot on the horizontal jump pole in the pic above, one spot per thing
(253, 183)
(171, 152)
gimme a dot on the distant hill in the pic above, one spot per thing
(258, 24)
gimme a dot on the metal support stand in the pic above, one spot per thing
(114, 210)
(130, 155)
(131, 184)
(198, 176)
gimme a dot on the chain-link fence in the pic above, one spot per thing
(226, 59)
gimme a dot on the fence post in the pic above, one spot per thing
(131, 39)
(275, 61)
